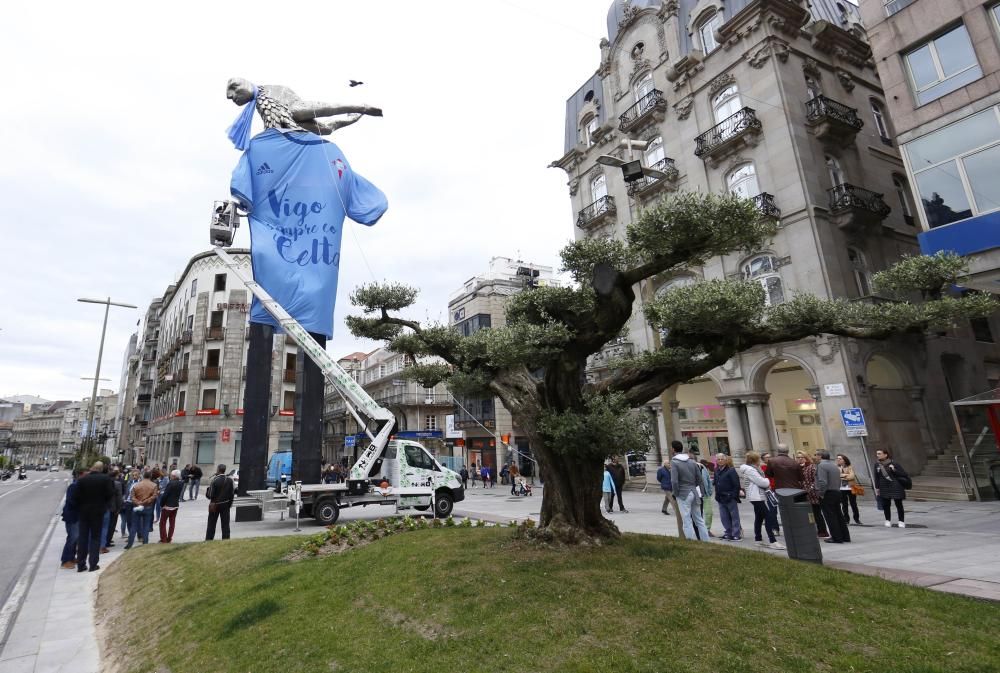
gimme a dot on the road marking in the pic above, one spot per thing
(19, 488)
(10, 608)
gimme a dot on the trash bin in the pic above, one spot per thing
(799, 525)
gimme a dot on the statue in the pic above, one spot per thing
(297, 189)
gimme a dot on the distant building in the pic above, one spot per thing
(9, 410)
(75, 429)
(38, 432)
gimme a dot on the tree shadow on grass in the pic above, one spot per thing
(246, 618)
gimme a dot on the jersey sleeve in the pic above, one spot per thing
(241, 185)
(366, 202)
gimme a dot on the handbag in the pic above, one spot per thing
(857, 489)
(213, 507)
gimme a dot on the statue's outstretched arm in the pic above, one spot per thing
(326, 128)
(303, 111)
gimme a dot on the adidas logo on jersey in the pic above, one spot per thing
(264, 168)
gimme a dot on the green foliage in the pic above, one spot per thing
(712, 309)
(431, 340)
(514, 345)
(693, 227)
(580, 257)
(547, 304)
(929, 275)
(371, 328)
(603, 427)
(428, 374)
(375, 297)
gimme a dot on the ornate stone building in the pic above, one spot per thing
(779, 101)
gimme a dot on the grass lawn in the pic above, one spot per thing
(474, 599)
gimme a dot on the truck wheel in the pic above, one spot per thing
(327, 512)
(443, 504)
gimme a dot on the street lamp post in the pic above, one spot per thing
(100, 354)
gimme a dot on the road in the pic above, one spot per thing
(26, 508)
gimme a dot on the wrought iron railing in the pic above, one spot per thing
(211, 373)
(821, 106)
(288, 375)
(417, 399)
(666, 165)
(605, 204)
(181, 376)
(647, 103)
(186, 336)
(215, 333)
(726, 130)
(847, 196)
(765, 204)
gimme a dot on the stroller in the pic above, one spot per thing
(522, 487)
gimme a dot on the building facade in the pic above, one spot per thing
(940, 64)
(481, 303)
(190, 371)
(37, 433)
(75, 429)
(778, 101)
(420, 412)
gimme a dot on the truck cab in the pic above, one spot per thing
(279, 465)
(408, 464)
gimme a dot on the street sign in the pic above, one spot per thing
(834, 390)
(349, 442)
(854, 422)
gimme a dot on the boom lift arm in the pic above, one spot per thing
(225, 221)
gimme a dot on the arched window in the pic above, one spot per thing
(590, 124)
(742, 181)
(880, 124)
(862, 276)
(598, 188)
(835, 171)
(763, 269)
(726, 103)
(706, 30)
(813, 87)
(654, 152)
(903, 194)
(643, 86)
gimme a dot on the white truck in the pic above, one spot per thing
(392, 472)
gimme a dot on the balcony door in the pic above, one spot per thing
(598, 188)
(726, 103)
(743, 181)
(643, 87)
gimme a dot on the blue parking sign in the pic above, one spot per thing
(854, 422)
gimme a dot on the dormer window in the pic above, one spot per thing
(706, 30)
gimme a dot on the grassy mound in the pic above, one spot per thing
(474, 599)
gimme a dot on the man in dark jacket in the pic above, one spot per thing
(220, 495)
(95, 493)
(195, 482)
(185, 477)
(828, 485)
(663, 476)
(71, 517)
(169, 503)
(116, 506)
(618, 474)
(784, 470)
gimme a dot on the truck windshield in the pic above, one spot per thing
(416, 457)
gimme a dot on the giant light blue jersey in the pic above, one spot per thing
(298, 189)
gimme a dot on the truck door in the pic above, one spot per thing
(420, 467)
(390, 466)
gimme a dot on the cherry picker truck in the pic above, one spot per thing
(415, 478)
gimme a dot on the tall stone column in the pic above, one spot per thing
(734, 428)
(760, 432)
(675, 421)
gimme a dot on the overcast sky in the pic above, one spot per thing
(113, 133)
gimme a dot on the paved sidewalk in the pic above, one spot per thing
(949, 547)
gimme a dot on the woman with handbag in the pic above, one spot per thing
(891, 482)
(808, 465)
(849, 488)
(757, 486)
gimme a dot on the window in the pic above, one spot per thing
(288, 400)
(942, 65)
(181, 399)
(835, 171)
(893, 6)
(955, 169)
(880, 125)
(194, 286)
(190, 322)
(589, 129)
(903, 194)
(981, 330)
(430, 422)
(862, 277)
(290, 361)
(643, 86)
(654, 152)
(764, 270)
(743, 181)
(284, 441)
(212, 357)
(215, 319)
(598, 188)
(415, 457)
(204, 448)
(706, 30)
(237, 446)
(208, 398)
(726, 103)
(812, 86)
(220, 282)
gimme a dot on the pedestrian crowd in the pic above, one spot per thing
(830, 483)
(101, 498)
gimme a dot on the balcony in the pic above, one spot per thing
(854, 208)
(833, 123)
(149, 358)
(288, 376)
(596, 212)
(143, 398)
(185, 337)
(651, 108)
(647, 186)
(151, 338)
(181, 376)
(765, 204)
(211, 373)
(139, 420)
(418, 400)
(215, 333)
(729, 136)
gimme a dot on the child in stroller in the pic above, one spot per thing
(522, 487)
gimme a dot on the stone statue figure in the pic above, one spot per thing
(280, 107)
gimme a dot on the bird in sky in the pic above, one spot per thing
(355, 82)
